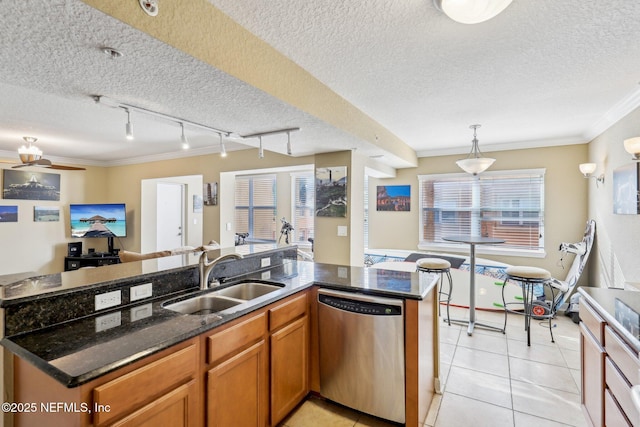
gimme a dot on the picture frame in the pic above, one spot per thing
(46, 214)
(30, 185)
(210, 194)
(331, 191)
(9, 213)
(626, 189)
(393, 198)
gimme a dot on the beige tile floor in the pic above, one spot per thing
(491, 379)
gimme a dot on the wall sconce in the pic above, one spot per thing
(587, 169)
(632, 145)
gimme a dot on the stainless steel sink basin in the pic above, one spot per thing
(203, 304)
(223, 299)
(248, 290)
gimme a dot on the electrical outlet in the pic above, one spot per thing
(265, 262)
(108, 321)
(266, 275)
(140, 291)
(109, 299)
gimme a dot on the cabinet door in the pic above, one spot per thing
(237, 390)
(289, 368)
(592, 357)
(176, 409)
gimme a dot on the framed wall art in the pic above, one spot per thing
(626, 189)
(8, 213)
(30, 185)
(46, 213)
(395, 198)
(210, 194)
(331, 191)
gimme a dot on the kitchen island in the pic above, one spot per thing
(82, 358)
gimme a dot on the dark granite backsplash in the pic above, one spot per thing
(43, 310)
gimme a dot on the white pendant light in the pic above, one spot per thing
(471, 11)
(29, 153)
(475, 163)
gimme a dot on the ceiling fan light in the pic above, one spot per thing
(472, 11)
(29, 153)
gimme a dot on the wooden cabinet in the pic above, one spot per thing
(237, 389)
(289, 356)
(237, 392)
(609, 368)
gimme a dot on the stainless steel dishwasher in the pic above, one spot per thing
(362, 352)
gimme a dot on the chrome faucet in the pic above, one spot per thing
(206, 267)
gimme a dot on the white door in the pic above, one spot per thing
(170, 222)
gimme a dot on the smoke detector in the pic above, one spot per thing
(149, 6)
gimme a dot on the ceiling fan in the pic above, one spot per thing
(30, 155)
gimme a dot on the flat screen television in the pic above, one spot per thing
(99, 220)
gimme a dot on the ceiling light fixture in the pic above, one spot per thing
(632, 145)
(29, 153)
(223, 150)
(271, 132)
(588, 169)
(184, 143)
(260, 148)
(99, 99)
(111, 52)
(475, 163)
(128, 127)
(289, 151)
(471, 11)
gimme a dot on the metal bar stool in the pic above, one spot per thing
(438, 266)
(529, 278)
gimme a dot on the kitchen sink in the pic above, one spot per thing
(223, 299)
(203, 304)
(248, 290)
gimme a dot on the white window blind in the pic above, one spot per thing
(505, 204)
(304, 202)
(256, 206)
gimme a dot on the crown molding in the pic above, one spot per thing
(614, 115)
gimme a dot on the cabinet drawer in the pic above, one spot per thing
(236, 338)
(287, 311)
(592, 320)
(622, 356)
(620, 389)
(128, 392)
(613, 415)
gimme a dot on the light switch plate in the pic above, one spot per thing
(342, 230)
(141, 291)
(265, 262)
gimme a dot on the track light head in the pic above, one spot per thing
(128, 127)
(183, 139)
(223, 150)
(289, 151)
(260, 149)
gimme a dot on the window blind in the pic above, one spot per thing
(304, 202)
(256, 206)
(507, 204)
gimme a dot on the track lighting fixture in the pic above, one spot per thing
(260, 149)
(223, 150)
(128, 127)
(183, 138)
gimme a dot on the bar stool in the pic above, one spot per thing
(438, 266)
(529, 278)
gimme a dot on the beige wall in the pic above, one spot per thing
(617, 236)
(41, 246)
(565, 201)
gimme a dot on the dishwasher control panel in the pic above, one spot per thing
(362, 307)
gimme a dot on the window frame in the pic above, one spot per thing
(521, 218)
(294, 207)
(252, 208)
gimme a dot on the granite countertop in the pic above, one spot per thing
(620, 309)
(81, 350)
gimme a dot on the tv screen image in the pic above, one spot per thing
(98, 220)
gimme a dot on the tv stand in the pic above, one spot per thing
(95, 259)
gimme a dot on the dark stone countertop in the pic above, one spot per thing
(620, 309)
(81, 350)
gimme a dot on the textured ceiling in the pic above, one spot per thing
(543, 72)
